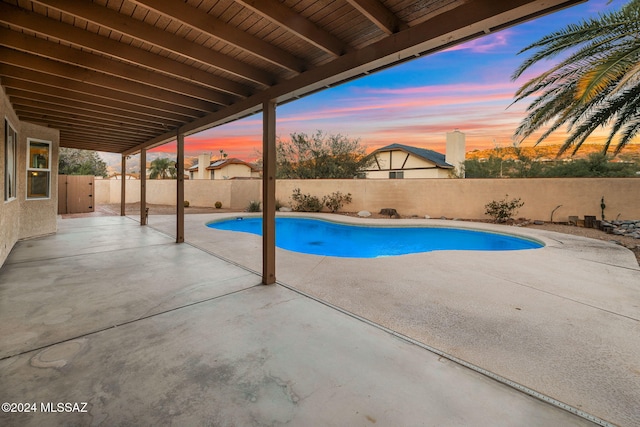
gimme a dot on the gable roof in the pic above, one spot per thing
(423, 153)
(219, 164)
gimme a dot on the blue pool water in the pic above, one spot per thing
(317, 237)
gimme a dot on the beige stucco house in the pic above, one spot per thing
(29, 178)
(398, 161)
(227, 168)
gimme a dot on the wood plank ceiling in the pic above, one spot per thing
(120, 75)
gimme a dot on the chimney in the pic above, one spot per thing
(455, 153)
(204, 160)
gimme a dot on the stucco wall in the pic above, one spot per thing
(21, 218)
(10, 210)
(233, 194)
(453, 198)
(38, 216)
(433, 172)
(232, 170)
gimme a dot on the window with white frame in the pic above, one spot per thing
(38, 169)
(10, 145)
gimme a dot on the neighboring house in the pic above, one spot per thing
(227, 168)
(397, 161)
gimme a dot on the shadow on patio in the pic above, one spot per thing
(149, 332)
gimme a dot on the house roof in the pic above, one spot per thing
(122, 75)
(219, 164)
(433, 156)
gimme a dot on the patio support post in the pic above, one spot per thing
(123, 185)
(143, 186)
(180, 190)
(269, 192)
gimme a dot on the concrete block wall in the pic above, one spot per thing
(452, 198)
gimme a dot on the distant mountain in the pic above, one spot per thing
(114, 161)
(629, 153)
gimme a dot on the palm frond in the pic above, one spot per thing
(596, 85)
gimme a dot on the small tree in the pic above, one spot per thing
(72, 161)
(503, 210)
(162, 168)
(320, 156)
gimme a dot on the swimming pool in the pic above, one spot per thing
(319, 237)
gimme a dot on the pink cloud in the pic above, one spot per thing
(484, 44)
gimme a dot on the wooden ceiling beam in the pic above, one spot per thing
(82, 127)
(106, 139)
(31, 21)
(378, 13)
(83, 75)
(25, 86)
(21, 104)
(96, 91)
(86, 134)
(80, 142)
(55, 103)
(79, 58)
(202, 21)
(123, 24)
(26, 111)
(276, 12)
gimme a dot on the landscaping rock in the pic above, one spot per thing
(630, 228)
(427, 217)
(285, 209)
(364, 214)
(538, 222)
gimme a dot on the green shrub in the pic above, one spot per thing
(254, 206)
(503, 210)
(218, 205)
(336, 200)
(305, 202)
(186, 204)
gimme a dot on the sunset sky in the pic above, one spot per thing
(467, 87)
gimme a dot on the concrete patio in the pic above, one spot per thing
(148, 332)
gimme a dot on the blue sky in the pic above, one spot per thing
(467, 87)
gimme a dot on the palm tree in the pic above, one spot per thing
(162, 168)
(598, 84)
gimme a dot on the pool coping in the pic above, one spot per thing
(618, 255)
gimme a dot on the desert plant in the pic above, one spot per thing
(218, 205)
(186, 204)
(254, 206)
(305, 202)
(502, 210)
(336, 200)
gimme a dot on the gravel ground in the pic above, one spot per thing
(134, 208)
(593, 233)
